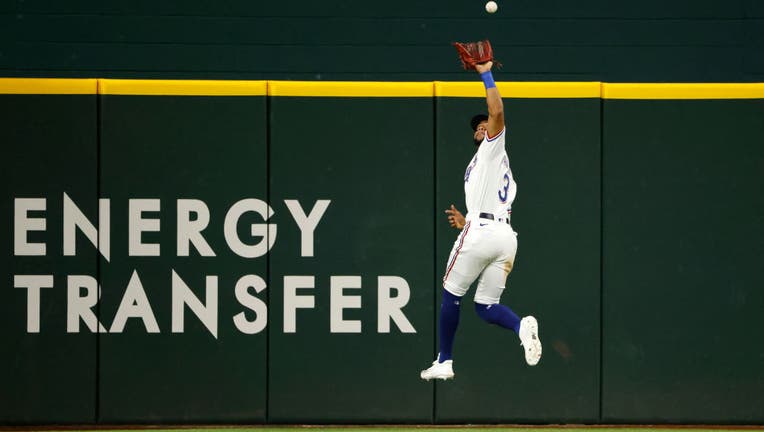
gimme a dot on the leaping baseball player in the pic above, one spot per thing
(485, 248)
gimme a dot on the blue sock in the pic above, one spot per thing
(500, 315)
(449, 321)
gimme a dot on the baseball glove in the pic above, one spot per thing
(472, 53)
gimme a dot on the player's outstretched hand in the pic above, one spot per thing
(483, 67)
(455, 217)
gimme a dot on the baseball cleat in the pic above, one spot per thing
(529, 339)
(442, 371)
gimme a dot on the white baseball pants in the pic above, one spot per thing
(485, 248)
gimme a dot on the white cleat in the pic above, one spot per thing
(529, 339)
(441, 371)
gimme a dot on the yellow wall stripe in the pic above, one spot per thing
(48, 86)
(472, 89)
(683, 91)
(182, 88)
(521, 89)
(350, 89)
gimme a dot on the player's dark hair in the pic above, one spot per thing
(476, 120)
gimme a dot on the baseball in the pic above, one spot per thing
(491, 7)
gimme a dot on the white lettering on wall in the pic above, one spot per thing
(78, 307)
(340, 302)
(252, 303)
(182, 295)
(22, 224)
(74, 218)
(307, 224)
(137, 225)
(389, 307)
(134, 304)
(190, 231)
(292, 301)
(33, 284)
(257, 230)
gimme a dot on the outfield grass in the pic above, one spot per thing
(445, 428)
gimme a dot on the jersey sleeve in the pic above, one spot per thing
(494, 146)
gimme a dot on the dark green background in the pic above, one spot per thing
(373, 159)
(167, 148)
(639, 248)
(639, 222)
(584, 40)
(49, 148)
(683, 226)
(554, 151)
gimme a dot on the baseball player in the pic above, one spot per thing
(485, 248)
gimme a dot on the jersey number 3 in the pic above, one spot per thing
(503, 191)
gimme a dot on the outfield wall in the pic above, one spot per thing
(270, 252)
(394, 40)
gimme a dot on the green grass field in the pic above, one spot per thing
(447, 428)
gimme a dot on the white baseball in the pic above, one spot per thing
(491, 7)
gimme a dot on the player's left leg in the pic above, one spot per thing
(487, 295)
(490, 287)
(493, 279)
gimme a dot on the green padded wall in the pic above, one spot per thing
(401, 40)
(682, 304)
(373, 158)
(169, 148)
(554, 151)
(638, 226)
(49, 149)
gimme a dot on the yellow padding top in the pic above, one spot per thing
(683, 91)
(350, 89)
(471, 89)
(571, 90)
(48, 86)
(182, 87)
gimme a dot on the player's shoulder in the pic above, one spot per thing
(498, 137)
(492, 142)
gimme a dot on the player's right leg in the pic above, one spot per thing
(463, 267)
(529, 338)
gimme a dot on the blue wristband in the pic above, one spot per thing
(487, 77)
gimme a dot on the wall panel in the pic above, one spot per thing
(682, 255)
(211, 150)
(554, 150)
(47, 372)
(373, 158)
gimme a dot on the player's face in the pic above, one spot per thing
(480, 133)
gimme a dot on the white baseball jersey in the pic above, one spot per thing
(488, 183)
(486, 247)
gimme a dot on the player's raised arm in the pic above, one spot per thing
(479, 56)
(493, 98)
